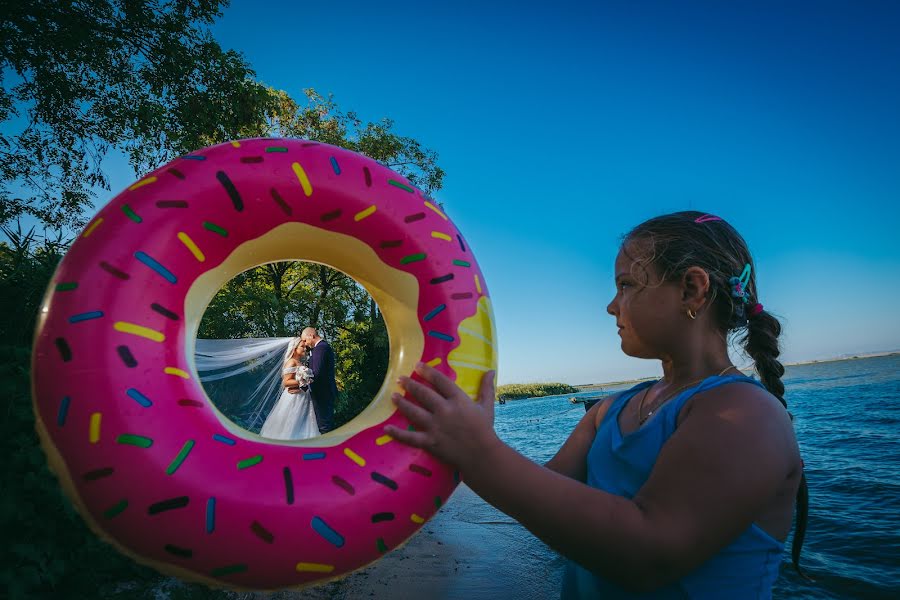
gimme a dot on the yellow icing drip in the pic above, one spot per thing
(477, 350)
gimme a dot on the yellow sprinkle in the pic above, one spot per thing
(364, 213)
(433, 362)
(416, 519)
(236, 144)
(477, 284)
(355, 457)
(92, 227)
(142, 183)
(189, 243)
(303, 567)
(95, 428)
(304, 180)
(384, 440)
(441, 236)
(144, 332)
(435, 209)
(176, 371)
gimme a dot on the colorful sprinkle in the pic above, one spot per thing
(441, 236)
(115, 509)
(434, 362)
(288, 485)
(134, 440)
(170, 504)
(138, 330)
(391, 243)
(461, 296)
(65, 353)
(385, 481)
(211, 515)
(131, 214)
(113, 271)
(420, 470)
(156, 266)
(215, 228)
(414, 218)
(66, 286)
(276, 149)
(416, 519)
(330, 535)
(438, 502)
(228, 570)
(182, 454)
(63, 411)
(314, 456)
(262, 533)
(163, 311)
(364, 213)
(461, 245)
(280, 202)
(190, 245)
(335, 166)
(142, 183)
(193, 157)
(354, 457)
(477, 284)
(126, 356)
(382, 517)
(461, 263)
(225, 440)
(368, 176)
(87, 316)
(251, 159)
(178, 551)
(139, 398)
(401, 186)
(171, 204)
(189, 402)
(98, 474)
(442, 279)
(385, 439)
(92, 227)
(331, 216)
(177, 372)
(382, 547)
(437, 210)
(304, 180)
(236, 199)
(343, 484)
(411, 258)
(94, 431)
(441, 336)
(236, 144)
(435, 312)
(305, 567)
(249, 462)
(176, 173)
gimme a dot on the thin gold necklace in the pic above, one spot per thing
(642, 420)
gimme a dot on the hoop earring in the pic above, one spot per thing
(691, 314)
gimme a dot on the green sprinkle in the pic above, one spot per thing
(382, 547)
(65, 287)
(249, 462)
(185, 450)
(131, 214)
(215, 228)
(437, 502)
(462, 263)
(276, 149)
(135, 440)
(115, 509)
(410, 428)
(228, 570)
(412, 258)
(401, 186)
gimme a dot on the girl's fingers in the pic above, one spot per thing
(417, 439)
(487, 393)
(439, 381)
(416, 414)
(426, 396)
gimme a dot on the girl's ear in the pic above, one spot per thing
(695, 287)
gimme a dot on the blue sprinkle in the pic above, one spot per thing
(334, 165)
(139, 398)
(210, 515)
(327, 532)
(193, 157)
(435, 312)
(313, 455)
(150, 262)
(223, 439)
(86, 316)
(63, 411)
(441, 336)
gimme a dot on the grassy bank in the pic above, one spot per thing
(517, 391)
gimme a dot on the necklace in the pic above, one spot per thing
(642, 420)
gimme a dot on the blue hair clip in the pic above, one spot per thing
(739, 284)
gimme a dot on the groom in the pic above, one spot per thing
(323, 389)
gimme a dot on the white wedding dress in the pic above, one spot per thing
(293, 417)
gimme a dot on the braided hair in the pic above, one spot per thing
(675, 242)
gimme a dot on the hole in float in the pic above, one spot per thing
(249, 329)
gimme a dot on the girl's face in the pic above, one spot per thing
(646, 309)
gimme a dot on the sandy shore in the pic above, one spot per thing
(469, 550)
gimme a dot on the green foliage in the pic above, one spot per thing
(517, 391)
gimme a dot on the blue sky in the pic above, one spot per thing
(561, 126)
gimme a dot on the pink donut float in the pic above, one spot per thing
(149, 461)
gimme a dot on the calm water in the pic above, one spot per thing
(847, 418)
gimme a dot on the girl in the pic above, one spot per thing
(681, 487)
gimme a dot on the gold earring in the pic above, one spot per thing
(691, 314)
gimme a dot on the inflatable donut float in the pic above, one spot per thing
(139, 448)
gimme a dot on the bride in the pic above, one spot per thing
(293, 417)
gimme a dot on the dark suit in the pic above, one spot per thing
(323, 388)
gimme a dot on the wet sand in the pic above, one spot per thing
(469, 550)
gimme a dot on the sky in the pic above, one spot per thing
(561, 125)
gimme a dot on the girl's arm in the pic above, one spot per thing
(571, 459)
(711, 480)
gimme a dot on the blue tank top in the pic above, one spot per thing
(620, 465)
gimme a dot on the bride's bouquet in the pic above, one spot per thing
(304, 376)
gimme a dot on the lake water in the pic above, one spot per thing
(847, 419)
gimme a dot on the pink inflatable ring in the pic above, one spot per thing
(148, 460)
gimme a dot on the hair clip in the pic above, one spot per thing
(707, 218)
(757, 308)
(739, 284)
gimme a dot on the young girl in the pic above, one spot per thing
(681, 487)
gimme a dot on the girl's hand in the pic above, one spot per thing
(447, 422)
